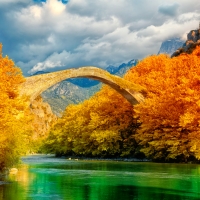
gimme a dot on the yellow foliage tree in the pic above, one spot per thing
(13, 129)
(170, 115)
(97, 127)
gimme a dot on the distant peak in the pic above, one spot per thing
(193, 40)
(170, 45)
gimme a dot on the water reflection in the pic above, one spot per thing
(59, 179)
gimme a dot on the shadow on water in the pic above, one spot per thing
(148, 193)
(122, 192)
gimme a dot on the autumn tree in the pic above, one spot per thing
(169, 119)
(14, 131)
(101, 126)
(170, 115)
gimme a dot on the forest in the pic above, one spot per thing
(15, 118)
(164, 128)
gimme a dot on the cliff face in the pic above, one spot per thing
(193, 36)
(193, 40)
(43, 118)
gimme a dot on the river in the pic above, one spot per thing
(42, 177)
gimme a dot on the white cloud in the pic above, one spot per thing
(55, 7)
(3, 2)
(54, 60)
(36, 12)
(52, 35)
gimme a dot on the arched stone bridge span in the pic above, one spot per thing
(35, 85)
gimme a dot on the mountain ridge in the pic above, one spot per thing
(76, 90)
(86, 82)
(170, 46)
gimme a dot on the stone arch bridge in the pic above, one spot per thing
(35, 85)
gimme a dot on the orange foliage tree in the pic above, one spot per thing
(101, 126)
(12, 113)
(170, 115)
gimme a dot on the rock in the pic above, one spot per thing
(188, 42)
(193, 40)
(43, 117)
(194, 35)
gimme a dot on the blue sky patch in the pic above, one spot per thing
(39, 1)
(63, 1)
(57, 36)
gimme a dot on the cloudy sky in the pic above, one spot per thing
(51, 35)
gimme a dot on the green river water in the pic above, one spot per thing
(48, 178)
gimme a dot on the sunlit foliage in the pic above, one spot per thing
(101, 126)
(106, 124)
(14, 130)
(170, 116)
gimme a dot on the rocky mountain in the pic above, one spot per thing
(170, 46)
(193, 40)
(76, 90)
(65, 93)
(119, 71)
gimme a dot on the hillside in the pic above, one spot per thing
(76, 90)
(65, 93)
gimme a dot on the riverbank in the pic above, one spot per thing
(105, 159)
(76, 158)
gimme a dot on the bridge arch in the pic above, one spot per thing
(35, 85)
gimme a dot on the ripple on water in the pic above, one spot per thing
(46, 177)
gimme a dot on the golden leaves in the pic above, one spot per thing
(186, 118)
(172, 107)
(93, 127)
(13, 124)
(169, 116)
